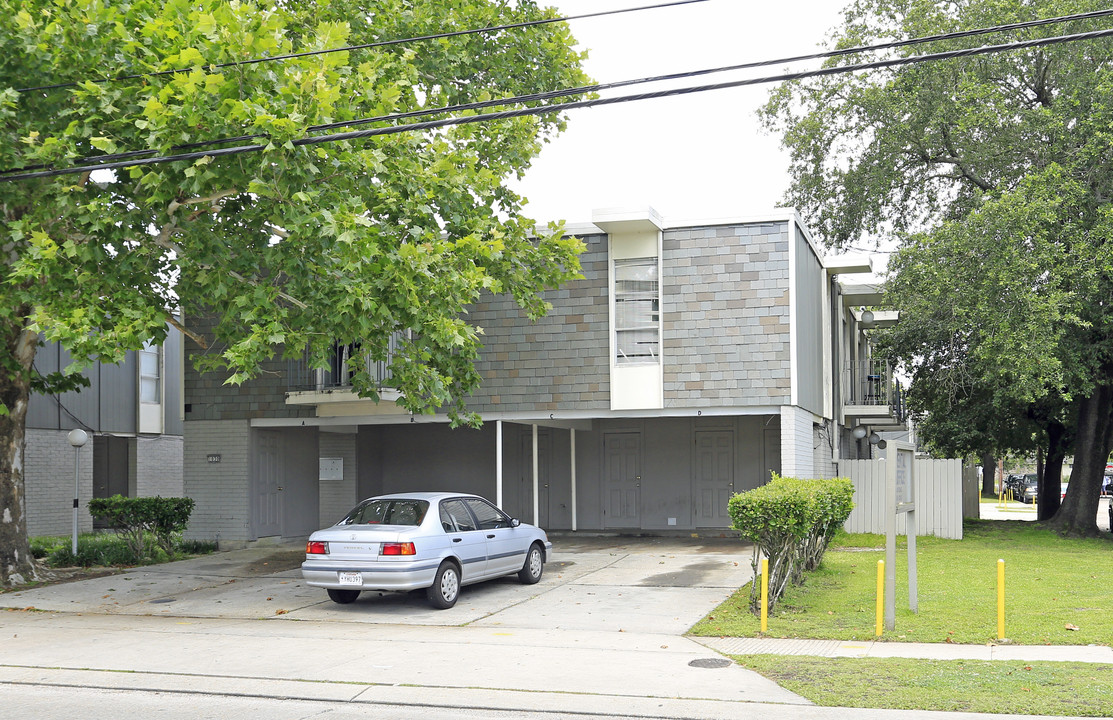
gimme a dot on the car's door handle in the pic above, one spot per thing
(491, 537)
(457, 539)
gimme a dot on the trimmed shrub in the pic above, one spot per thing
(134, 518)
(791, 521)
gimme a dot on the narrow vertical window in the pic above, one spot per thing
(150, 386)
(637, 309)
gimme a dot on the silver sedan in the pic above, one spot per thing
(409, 541)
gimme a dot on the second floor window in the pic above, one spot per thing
(150, 390)
(637, 311)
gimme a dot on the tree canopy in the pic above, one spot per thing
(993, 174)
(294, 246)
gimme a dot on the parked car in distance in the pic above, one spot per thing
(1012, 484)
(410, 541)
(1027, 490)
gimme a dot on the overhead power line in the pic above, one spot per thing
(554, 94)
(365, 46)
(528, 111)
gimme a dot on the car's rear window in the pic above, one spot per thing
(387, 512)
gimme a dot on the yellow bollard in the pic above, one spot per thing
(764, 594)
(1000, 599)
(880, 597)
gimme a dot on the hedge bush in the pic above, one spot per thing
(133, 518)
(791, 521)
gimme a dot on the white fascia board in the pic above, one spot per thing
(881, 318)
(626, 220)
(861, 294)
(581, 420)
(848, 264)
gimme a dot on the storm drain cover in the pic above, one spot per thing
(162, 600)
(710, 663)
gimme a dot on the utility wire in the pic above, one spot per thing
(382, 43)
(522, 112)
(554, 94)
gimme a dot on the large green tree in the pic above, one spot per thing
(295, 246)
(994, 169)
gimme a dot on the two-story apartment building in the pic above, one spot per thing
(693, 359)
(132, 415)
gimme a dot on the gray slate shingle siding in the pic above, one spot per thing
(559, 362)
(208, 398)
(725, 303)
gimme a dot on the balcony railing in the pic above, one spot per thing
(871, 383)
(343, 363)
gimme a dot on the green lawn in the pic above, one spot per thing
(1048, 688)
(1057, 591)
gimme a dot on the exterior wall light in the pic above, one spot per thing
(874, 438)
(859, 432)
(881, 444)
(867, 318)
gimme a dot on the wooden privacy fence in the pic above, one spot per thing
(938, 497)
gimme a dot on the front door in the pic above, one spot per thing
(267, 486)
(622, 479)
(714, 475)
(111, 469)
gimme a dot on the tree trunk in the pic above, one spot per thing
(1079, 511)
(1051, 477)
(16, 564)
(989, 472)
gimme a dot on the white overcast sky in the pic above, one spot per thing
(700, 156)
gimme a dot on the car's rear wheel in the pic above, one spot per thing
(446, 586)
(534, 566)
(342, 596)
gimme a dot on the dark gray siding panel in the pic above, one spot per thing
(559, 362)
(809, 326)
(43, 410)
(725, 305)
(118, 390)
(80, 409)
(172, 388)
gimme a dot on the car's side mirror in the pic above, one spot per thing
(515, 522)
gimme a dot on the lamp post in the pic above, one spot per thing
(77, 438)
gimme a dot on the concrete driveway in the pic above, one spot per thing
(658, 585)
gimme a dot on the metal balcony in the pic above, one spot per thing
(343, 362)
(871, 392)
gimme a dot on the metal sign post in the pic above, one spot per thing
(900, 498)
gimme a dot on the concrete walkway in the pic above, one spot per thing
(932, 651)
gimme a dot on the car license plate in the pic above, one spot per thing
(351, 578)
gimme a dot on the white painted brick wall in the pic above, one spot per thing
(797, 450)
(48, 478)
(158, 466)
(220, 490)
(338, 496)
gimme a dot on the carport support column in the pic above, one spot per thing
(536, 473)
(572, 464)
(498, 463)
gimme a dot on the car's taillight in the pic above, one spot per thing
(316, 547)
(397, 549)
